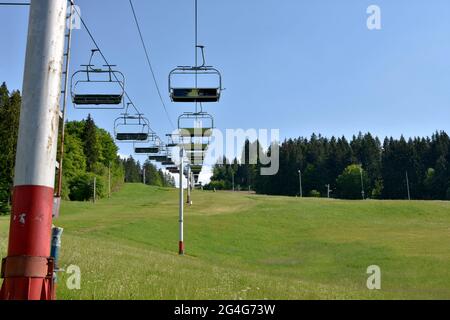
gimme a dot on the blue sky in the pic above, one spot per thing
(301, 66)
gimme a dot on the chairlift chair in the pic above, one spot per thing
(195, 147)
(195, 125)
(146, 150)
(168, 162)
(196, 169)
(158, 158)
(135, 121)
(196, 157)
(196, 132)
(89, 75)
(195, 93)
(153, 149)
(174, 140)
(173, 169)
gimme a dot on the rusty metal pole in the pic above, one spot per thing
(28, 269)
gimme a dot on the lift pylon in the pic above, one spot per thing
(28, 269)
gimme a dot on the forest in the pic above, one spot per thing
(364, 167)
(134, 173)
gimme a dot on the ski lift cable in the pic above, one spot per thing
(14, 3)
(196, 50)
(147, 55)
(101, 52)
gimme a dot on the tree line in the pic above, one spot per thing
(416, 168)
(9, 127)
(134, 173)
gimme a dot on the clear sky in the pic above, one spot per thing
(301, 66)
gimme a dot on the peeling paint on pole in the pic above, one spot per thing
(29, 267)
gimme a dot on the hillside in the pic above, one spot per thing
(243, 246)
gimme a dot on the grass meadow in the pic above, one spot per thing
(245, 246)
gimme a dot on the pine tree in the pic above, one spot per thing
(9, 127)
(91, 150)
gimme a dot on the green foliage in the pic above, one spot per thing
(90, 143)
(216, 185)
(426, 161)
(9, 127)
(377, 191)
(349, 183)
(429, 178)
(133, 170)
(74, 160)
(153, 177)
(4, 196)
(106, 146)
(314, 194)
(243, 172)
(81, 188)
(83, 161)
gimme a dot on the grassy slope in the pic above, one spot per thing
(253, 247)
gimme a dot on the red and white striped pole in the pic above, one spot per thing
(28, 269)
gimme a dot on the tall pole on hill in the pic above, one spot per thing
(28, 269)
(407, 186)
(143, 176)
(362, 183)
(181, 220)
(328, 190)
(301, 187)
(232, 177)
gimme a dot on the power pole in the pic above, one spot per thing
(328, 190)
(407, 186)
(181, 220)
(232, 176)
(143, 175)
(362, 183)
(301, 187)
(28, 269)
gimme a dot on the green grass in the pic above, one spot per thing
(242, 246)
